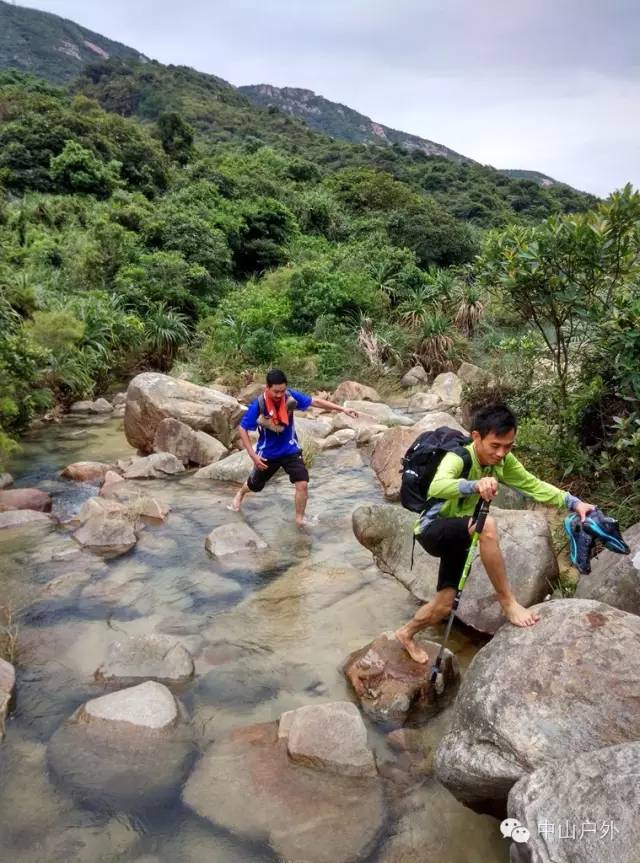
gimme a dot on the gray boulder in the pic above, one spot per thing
(233, 538)
(129, 749)
(22, 517)
(146, 657)
(331, 737)
(542, 695)
(109, 534)
(189, 446)
(158, 465)
(448, 387)
(414, 377)
(615, 578)
(303, 814)
(352, 390)
(473, 375)
(589, 805)
(99, 406)
(152, 397)
(235, 468)
(423, 402)
(435, 419)
(381, 412)
(339, 438)
(525, 540)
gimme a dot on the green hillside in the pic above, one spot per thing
(51, 47)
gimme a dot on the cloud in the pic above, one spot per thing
(551, 85)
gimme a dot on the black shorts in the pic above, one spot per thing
(293, 465)
(448, 539)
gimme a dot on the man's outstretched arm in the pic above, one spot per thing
(516, 476)
(331, 406)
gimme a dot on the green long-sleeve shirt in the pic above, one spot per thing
(453, 496)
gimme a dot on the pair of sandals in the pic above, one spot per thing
(583, 536)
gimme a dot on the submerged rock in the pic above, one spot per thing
(129, 749)
(21, 517)
(232, 538)
(304, 814)
(392, 688)
(542, 695)
(86, 471)
(331, 736)
(615, 578)
(589, 804)
(525, 540)
(152, 397)
(146, 657)
(109, 534)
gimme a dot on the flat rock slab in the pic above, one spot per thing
(304, 814)
(146, 657)
(25, 498)
(589, 804)
(331, 736)
(233, 538)
(22, 517)
(615, 578)
(130, 749)
(542, 695)
(525, 540)
(392, 688)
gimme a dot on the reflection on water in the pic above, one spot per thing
(268, 633)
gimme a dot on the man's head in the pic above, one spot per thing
(493, 431)
(276, 383)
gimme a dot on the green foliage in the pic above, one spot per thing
(76, 169)
(176, 137)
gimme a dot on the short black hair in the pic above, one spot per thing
(498, 419)
(276, 376)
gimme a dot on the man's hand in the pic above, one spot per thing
(259, 462)
(487, 487)
(583, 509)
(350, 413)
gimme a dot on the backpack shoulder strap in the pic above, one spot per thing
(262, 408)
(467, 461)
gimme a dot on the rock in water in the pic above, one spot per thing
(158, 465)
(146, 657)
(352, 390)
(189, 446)
(392, 688)
(25, 498)
(615, 578)
(233, 538)
(152, 397)
(235, 468)
(542, 695)
(588, 805)
(86, 471)
(129, 749)
(525, 540)
(7, 689)
(330, 736)
(304, 814)
(109, 534)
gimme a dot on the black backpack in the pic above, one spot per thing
(421, 460)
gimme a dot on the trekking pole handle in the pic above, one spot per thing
(482, 515)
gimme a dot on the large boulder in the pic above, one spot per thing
(420, 403)
(234, 468)
(434, 419)
(338, 438)
(448, 387)
(137, 658)
(86, 471)
(25, 498)
(331, 736)
(189, 446)
(414, 377)
(7, 689)
(158, 465)
(380, 411)
(542, 695)
(392, 688)
(251, 392)
(525, 539)
(386, 458)
(152, 397)
(580, 810)
(232, 538)
(109, 534)
(302, 813)
(128, 749)
(352, 391)
(473, 375)
(316, 429)
(615, 578)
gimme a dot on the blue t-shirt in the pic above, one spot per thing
(275, 444)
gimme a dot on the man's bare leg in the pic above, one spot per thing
(433, 612)
(493, 561)
(301, 497)
(236, 503)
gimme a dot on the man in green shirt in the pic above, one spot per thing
(444, 528)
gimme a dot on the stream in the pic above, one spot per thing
(268, 633)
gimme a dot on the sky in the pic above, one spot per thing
(548, 85)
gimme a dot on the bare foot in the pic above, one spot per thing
(306, 520)
(417, 653)
(518, 615)
(236, 503)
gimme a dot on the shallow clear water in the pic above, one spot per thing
(267, 635)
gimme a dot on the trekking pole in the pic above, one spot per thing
(437, 677)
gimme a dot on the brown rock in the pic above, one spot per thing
(86, 471)
(392, 688)
(152, 397)
(352, 390)
(387, 456)
(250, 392)
(25, 498)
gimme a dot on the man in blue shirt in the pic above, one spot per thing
(278, 445)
